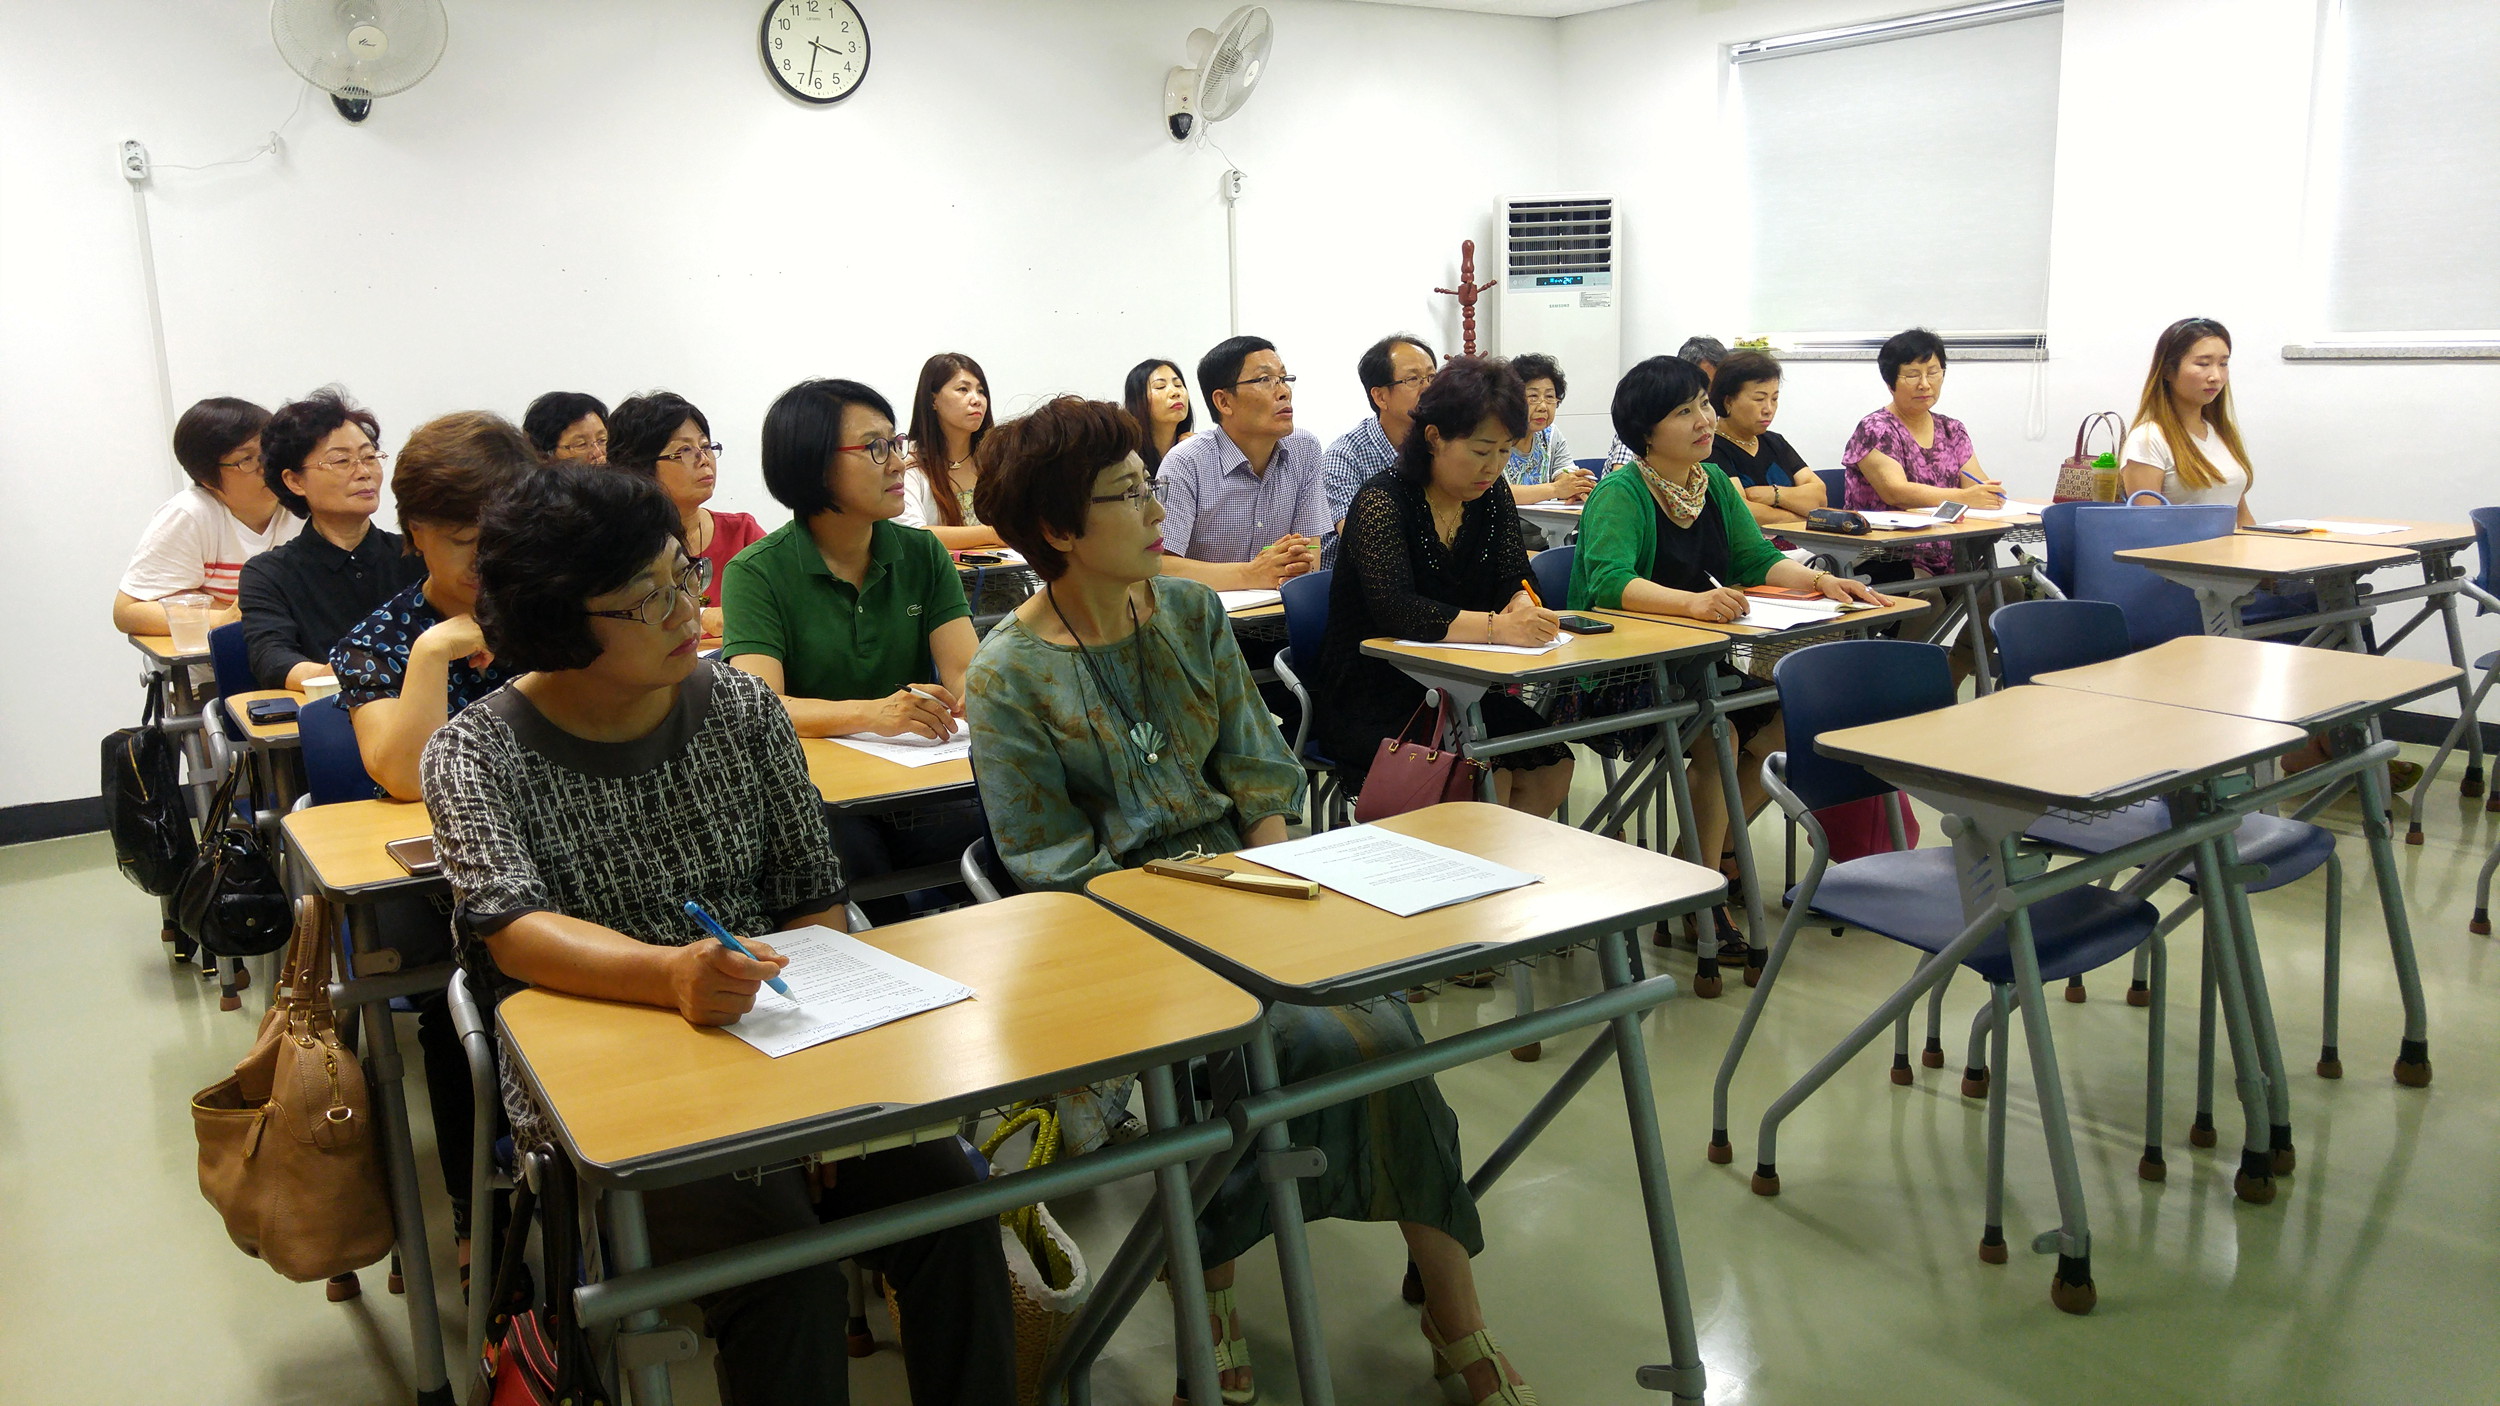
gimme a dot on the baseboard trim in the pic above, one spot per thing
(51, 820)
(2431, 729)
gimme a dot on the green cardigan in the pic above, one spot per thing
(1619, 538)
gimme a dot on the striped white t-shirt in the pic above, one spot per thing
(194, 544)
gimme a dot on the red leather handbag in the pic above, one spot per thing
(1411, 775)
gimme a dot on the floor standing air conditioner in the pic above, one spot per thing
(1559, 276)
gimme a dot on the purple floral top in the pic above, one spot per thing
(1938, 467)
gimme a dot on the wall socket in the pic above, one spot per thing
(134, 162)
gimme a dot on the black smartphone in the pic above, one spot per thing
(2277, 531)
(1587, 625)
(268, 711)
(415, 855)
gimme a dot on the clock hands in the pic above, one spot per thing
(814, 49)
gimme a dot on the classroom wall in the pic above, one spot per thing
(2166, 207)
(611, 196)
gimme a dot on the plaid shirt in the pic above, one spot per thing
(1215, 509)
(1352, 460)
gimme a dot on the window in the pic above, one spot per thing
(1898, 174)
(2405, 174)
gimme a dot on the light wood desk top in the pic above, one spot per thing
(161, 648)
(2059, 748)
(1901, 608)
(1634, 640)
(341, 845)
(2258, 554)
(1068, 994)
(2415, 534)
(1273, 610)
(2259, 679)
(1966, 530)
(1337, 949)
(240, 707)
(847, 776)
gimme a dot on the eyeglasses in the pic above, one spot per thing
(1274, 378)
(370, 459)
(247, 461)
(596, 444)
(880, 450)
(690, 582)
(693, 454)
(1136, 497)
(1543, 398)
(1419, 380)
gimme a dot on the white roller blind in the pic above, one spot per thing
(2415, 245)
(1903, 181)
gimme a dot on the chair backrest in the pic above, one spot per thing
(2487, 546)
(334, 770)
(1595, 466)
(985, 849)
(1846, 683)
(2036, 637)
(2156, 610)
(1306, 615)
(2057, 535)
(1552, 570)
(230, 660)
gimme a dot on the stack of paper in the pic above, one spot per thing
(839, 986)
(1561, 638)
(2348, 529)
(1390, 871)
(912, 749)
(1787, 614)
(1245, 600)
(1899, 521)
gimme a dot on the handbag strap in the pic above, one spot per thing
(1440, 719)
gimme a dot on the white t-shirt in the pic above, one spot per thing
(2146, 444)
(920, 507)
(193, 544)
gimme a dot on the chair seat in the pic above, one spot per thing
(1913, 897)
(2488, 660)
(2290, 850)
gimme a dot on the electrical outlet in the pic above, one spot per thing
(134, 162)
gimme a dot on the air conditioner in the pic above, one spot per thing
(1558, 271)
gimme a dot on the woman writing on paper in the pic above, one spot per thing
(578, 810)
(1431, 551)
(1113, 722)
(1671, 536)
(2184, 444)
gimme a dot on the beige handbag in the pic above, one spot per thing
(287, 1150)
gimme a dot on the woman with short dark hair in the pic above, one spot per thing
(570, 427)
(1431, 551)
(662, 434)
(321, 457)
(1905, 456)
(200, 539)
(579, 809)
(950, 416)
(1113, 722)
(1767, 470)
(1540, 468)
(1158, 400)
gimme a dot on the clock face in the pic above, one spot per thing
(817, 50)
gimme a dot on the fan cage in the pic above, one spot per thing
(312, 36)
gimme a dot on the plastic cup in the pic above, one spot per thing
(187, 618)
(320, 686)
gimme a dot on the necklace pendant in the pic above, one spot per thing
(1148, 740)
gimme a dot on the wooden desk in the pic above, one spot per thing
(1974, 569)
(263, 735)
(1273, 610)
(341, 847)
(1864, 544)
(160, 649)
(2225, 573)
(1337, 949)
(2308, 688)
(850, 779)
(1845, 623)
(2416, 535)
(1639, 640)
(2058, 749)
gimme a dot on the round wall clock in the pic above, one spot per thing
(817, 50)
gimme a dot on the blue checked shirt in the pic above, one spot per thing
(1352, 460)
(1216, 510)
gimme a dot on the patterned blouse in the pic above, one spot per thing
(714, 806)
(1938, 466)
(1544, 457)
(373, 657)
(1056, 738)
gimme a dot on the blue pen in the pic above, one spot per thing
(695, 911)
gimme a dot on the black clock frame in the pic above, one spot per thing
(764, 53)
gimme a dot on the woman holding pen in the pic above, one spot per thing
(1431, 551)
(1906, 457)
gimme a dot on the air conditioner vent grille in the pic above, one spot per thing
(1561, 236)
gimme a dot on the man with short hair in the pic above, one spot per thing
(1242, 503)
(1394, 372)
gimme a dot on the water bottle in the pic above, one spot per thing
(2105, 478)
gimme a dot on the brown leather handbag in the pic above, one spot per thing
(287, 1149)
(1411, 775)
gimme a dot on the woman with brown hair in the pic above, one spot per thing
(2185, 445)
(950, 416)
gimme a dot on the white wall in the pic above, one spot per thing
(2150, 89)
(611, 196)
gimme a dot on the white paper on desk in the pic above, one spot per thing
(839, 986)
(2008, 513)
(1561, 638)
(1390, 871)
(2348, 529)
(1899, 521)
(912, 749)
(1786, 614)
(1248, 600)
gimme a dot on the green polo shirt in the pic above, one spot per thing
(834, 640)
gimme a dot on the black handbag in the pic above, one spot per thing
(231, 901)
(152, 838)
(1839, 520)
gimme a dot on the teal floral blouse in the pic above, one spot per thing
(1062, 747)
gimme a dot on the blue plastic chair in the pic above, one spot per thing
(1552, 570)
(1910, 896)
(2156, 610)
(984, 873)
(1306, 626)
(334, 767)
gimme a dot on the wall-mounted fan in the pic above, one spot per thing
(1224, 65)
(359, 50)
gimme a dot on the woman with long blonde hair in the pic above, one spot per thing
(2184, 444)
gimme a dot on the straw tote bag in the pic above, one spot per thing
(2074, 477)
(287, 1151)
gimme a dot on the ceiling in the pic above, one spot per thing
(1538, 9)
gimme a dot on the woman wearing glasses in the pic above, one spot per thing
(318, 456)
(617, 727)
(858, 622)
(664, 436)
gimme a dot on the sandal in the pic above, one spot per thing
(1450, 1362)
(1232, 1351)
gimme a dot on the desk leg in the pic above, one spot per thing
(2342, 592)
(2413, 1057)
(1967, 558)
(2218, 602)
(1293, 1246)
(2223, 947)
(629, 1246)
(1739, 830)
(1180, 1231)
(2071, 1289)
(2260, 1012)
(1683, 1376)
(399, 1163)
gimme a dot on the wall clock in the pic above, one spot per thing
(817, 50)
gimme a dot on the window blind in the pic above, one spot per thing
(1902, 179)
(2413, 88)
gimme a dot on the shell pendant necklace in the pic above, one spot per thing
(1142, 734)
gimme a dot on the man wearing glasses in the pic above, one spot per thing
(1242, 505)
(1394, 371)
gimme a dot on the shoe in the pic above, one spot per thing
(2402, 777)
(1231, 1352)
(1474, 981)
(1733, 949)
(1450, 1362)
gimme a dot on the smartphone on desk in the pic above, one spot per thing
(1587, 625)
(416, 855)
(2277, 531)
(270, 711)
(979, 558)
